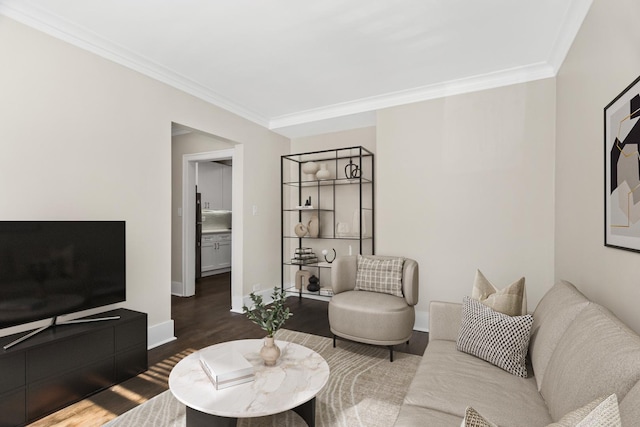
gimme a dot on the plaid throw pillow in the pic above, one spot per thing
(495, 337)
(380, 275)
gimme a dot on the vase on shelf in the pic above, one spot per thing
(300, 229)
(323, 173)
(314, 284)
(314, 226)
(269, 352)
(310, 168)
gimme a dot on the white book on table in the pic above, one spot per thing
(226, 369)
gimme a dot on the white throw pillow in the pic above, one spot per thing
(499, 339)
(511, 300)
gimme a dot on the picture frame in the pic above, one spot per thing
(622, 170)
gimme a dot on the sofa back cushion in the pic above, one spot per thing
(557, 309)
(597, 356)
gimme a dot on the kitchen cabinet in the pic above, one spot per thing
(214, 183)
(216, 253)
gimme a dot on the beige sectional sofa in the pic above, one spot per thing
(579, 351)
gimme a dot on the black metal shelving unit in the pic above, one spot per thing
(344, 204)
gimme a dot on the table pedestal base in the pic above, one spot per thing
(196, 418)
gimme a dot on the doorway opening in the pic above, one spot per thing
(184, 247)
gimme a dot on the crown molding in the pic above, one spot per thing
(57, 27)
(60, 28)
(573, 19)
(453, 87)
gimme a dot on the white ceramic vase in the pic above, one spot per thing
(269, 352)
(310, 168)
(323, 173)
(314, 226)
(300, 229)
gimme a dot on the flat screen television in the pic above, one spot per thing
(51, 268)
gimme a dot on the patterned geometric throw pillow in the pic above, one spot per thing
(380, 275)
(473, 419)
(603, 412)
(495, 337)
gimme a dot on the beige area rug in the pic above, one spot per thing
(364, 389)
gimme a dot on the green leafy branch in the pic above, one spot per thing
(269, 317)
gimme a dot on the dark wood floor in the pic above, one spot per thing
(201, 320)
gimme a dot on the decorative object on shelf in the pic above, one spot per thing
(314, 284)
(302, 279)
(304, 256)
(270, 318)
(352, 170)
(300, 229)
(307, 202)
(323, 173)
(310, 168)
(325, 252)
(314, 226)
(342, 229)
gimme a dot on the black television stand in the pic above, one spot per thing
(62, 365)
(54, 322)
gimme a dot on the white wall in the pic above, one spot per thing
(603, 60)
(99, 137)
(349, 138)
(467, 182)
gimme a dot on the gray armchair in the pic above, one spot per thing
(371, 317)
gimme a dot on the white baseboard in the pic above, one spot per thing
(422, 321)
(159, 334)
(177, 289)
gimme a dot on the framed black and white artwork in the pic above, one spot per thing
(622, 170)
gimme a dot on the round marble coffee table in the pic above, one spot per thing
(293, 383)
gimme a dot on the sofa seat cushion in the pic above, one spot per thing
(597, 356)
(371, 317)
(449, 381)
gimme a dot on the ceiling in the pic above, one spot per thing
(307, 66)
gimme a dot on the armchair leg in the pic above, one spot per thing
(391, 353)
(334, 341)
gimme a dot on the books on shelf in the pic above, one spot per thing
(326, 291)
(304, 261)
(227, 369)
(303, 256)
